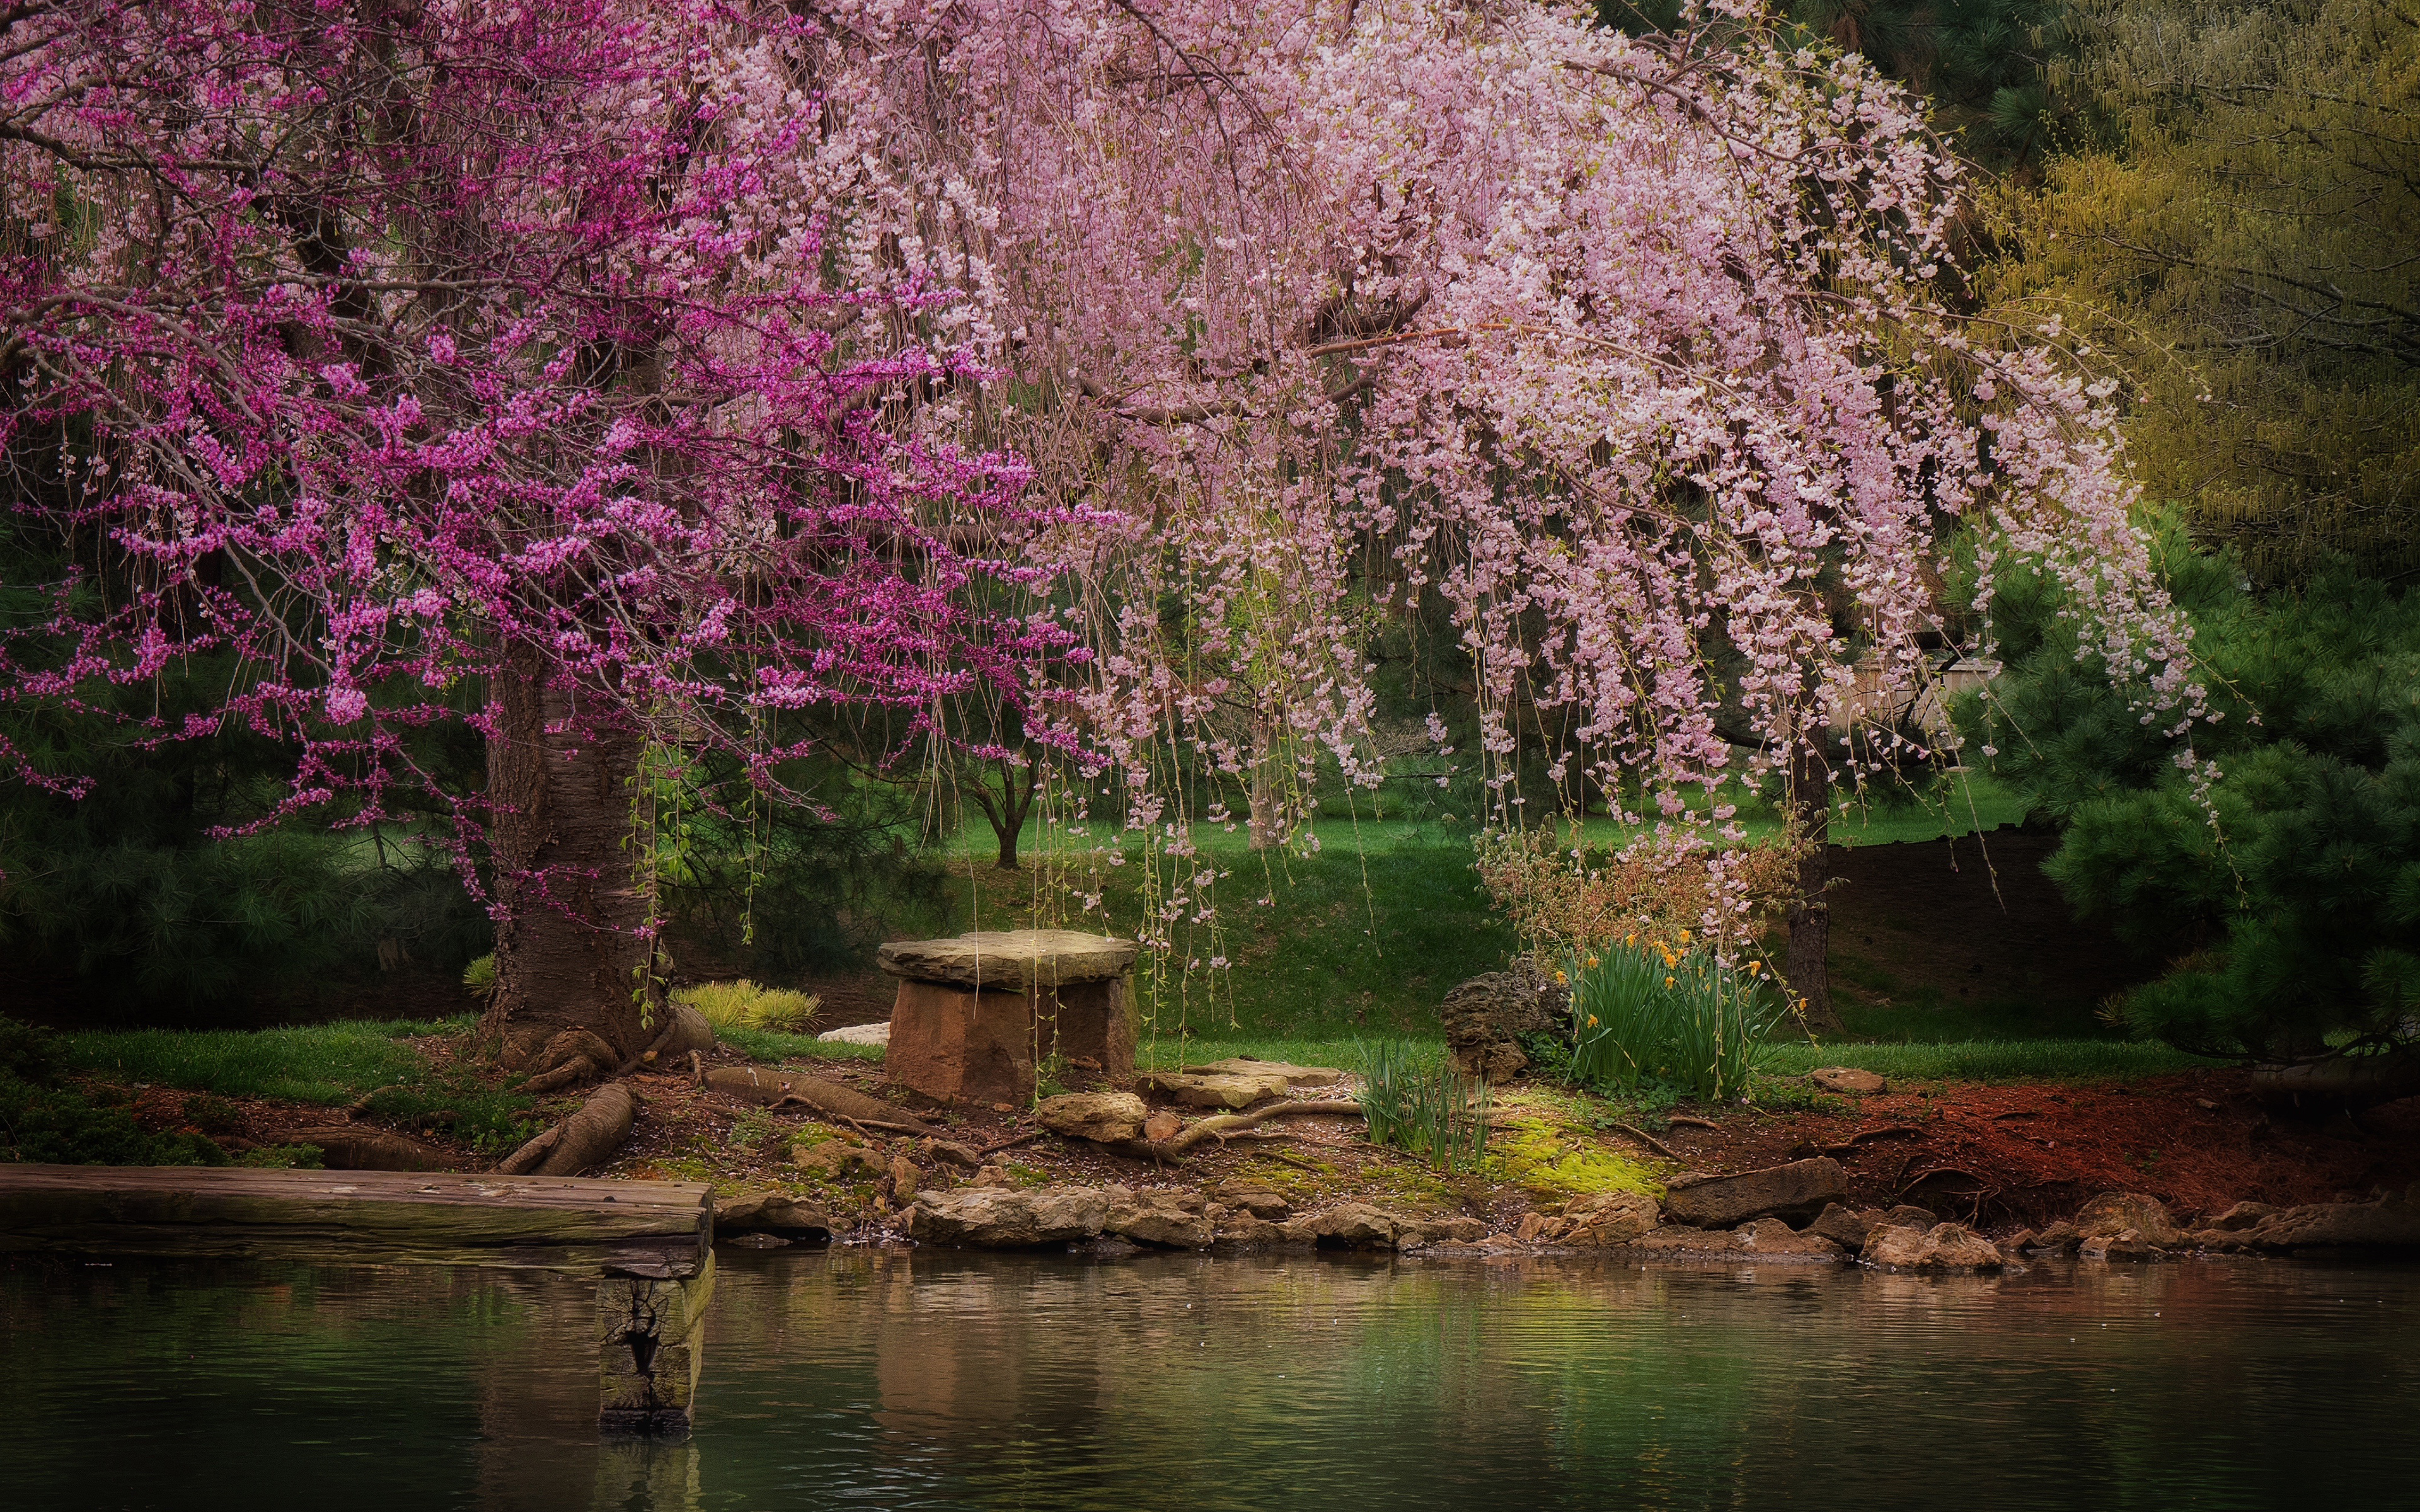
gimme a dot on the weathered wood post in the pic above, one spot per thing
(651, 1345)
(975, 1014)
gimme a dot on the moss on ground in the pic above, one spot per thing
(1552, 1159)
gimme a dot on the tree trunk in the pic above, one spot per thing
(571, 897)
(1263, 817)
(1810, 915)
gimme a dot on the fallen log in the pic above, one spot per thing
(589, 1137)
(2341, 1081)
(1172, 1150)
(767, 1089)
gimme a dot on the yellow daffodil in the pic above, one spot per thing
(1668, 982)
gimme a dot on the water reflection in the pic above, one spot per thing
(902, 1380)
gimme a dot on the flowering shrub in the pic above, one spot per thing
(1566, 900)
(1644, 1014)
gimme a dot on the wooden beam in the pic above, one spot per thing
(658, 1230)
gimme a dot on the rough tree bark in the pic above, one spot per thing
(1262, 820)
(1810, 915)
(571, 897)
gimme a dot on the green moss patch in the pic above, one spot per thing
(1553, 1161)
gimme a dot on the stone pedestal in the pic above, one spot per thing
(976, 1015)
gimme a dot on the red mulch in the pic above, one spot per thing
(2198, 1141)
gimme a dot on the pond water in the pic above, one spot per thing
(925, 1379)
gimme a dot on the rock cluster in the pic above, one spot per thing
(1941, 1247)
(2129, 1226)
(999, 1217)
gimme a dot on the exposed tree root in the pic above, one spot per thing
(345, 1147)
(1849, 1145)
(587, 1138)
(1645, 1139)
(573, 1056)
(1172, 1150)
(771, 1087)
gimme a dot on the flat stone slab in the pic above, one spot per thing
(858, 1034)
(1188, 1090)
(1800, 1189)
(1010, 960)
(1246, 1066)
(1847, 1080)
(1105, 1118)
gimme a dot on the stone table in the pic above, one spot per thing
(976, 1014)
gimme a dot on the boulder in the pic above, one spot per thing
(1419, 1233)
(1847, 1080)
(1942, 1247)
(1016, 961)
(2244, 1215)
(1228, 1092)
(1292, 1075)
(778, 1212)
(1353, 1225)
(1608, 1220)
(2220, 1241)
(1844, 1226)
(2114, 1212)
(1105, 1118)
(1260, 1201)
(1171, 1220)
(950, 1151)
(858, 1034)
(1485, 1016)
(2058, 1238)
(1773, 1239)
(2125, 1244)
(1907, 1215)
(1000, 1217)
(904, 1179)
(1798, 1190)
(1244, 1229)
(1163, 1125)
(2392, 1221)
(1679, 1238)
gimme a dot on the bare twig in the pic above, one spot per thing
(1645, 1139)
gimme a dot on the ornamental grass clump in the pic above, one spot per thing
(1643, 1014)
(1415, 1100)
(743, 1004)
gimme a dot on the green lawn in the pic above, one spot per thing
(328, 1064)
(1361, 937)
(1990, 1060)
